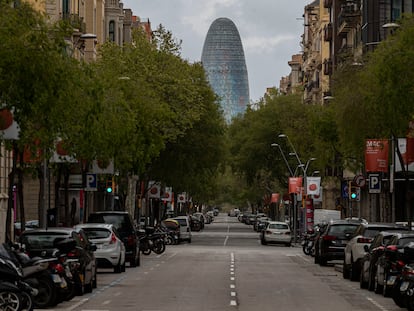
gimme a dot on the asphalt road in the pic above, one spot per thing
(226, 268)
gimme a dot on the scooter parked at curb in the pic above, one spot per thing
(15, 294)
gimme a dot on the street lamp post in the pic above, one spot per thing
(284, 158)
(304, 171)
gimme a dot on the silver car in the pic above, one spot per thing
(276, 232)
(110, 251)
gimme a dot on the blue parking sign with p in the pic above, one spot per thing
(374, 183)
(91, 182)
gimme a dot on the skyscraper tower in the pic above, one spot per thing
(225, 65)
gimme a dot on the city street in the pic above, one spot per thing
(226, 268)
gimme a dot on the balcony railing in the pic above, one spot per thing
(327, 4)
(328, 32)
(75, 21)
(348, 18)
(327, 67)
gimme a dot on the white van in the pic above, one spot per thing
(185, 228)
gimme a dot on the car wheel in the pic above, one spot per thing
(371, 280)
(345, 271)
(118, 267)
(386, 291)
(377, 287)
(354, 274)
(362, 282)
(316, 258)
(94, 281)
(133, 261)
(322, 261)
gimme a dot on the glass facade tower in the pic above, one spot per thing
(225, 65)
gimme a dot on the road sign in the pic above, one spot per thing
(91, 182)
(374, 183)
(359, 180)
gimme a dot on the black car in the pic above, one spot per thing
(331, 243)
(43, 242)
(370, 259)
(127, 231)
(388, 264)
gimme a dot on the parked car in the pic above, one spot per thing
(110, 252)
(392, 253)
(29, 225)
(331, 243)
(185, 228)
(355, 248)
(369, 260)
(200, 217)
(260, 223)
(42, 243)
(276, 232)
(127, 231)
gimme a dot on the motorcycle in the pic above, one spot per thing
(43, 274)
(15, 294)
(403, 287)
(308, 243)
(151, 241)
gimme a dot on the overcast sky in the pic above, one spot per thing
(270, 31)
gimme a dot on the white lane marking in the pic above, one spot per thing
(77, 305)
(225, 240)
(232, 286)
(233, 303)
(233, 294)
(232, 257)
(106, 302)
(377, 304)
(232, 278)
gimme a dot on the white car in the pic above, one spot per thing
(110, 252)
(185, 228)
(276, 232)
(355, 248)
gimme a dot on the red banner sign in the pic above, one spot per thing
(295, 184)
(376, 155)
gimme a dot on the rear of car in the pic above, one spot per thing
(332, 242)
(355, 248)
(185, 228)
(276, 232)
(124, 225)
(110, 251)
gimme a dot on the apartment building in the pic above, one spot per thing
(94, 22)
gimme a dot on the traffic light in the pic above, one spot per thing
(109, 185)
(353, 192)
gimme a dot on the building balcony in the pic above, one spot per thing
(328, 32)
(349, 17)
(327, 67)
(327, 4)
(75, 21)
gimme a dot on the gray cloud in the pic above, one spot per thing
(270, 31)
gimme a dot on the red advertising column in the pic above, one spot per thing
(309, 214)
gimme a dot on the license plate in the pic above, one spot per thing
(56, 278)
(63, 284)
(391, 280)
(404, 286)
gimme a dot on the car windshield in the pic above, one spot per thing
(39, 241)
(182, 222)
(341, 229)
(406, 240)
(97, 233)
(117, 220)
(278, 226)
